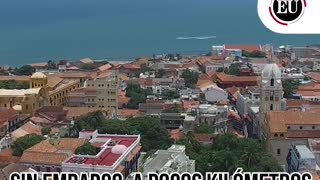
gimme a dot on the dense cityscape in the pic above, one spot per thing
(251, 106)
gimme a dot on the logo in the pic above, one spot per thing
(286, 12)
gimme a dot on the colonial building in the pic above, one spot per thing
(271, 94)
(284, 128)
(48, 155)
(26, 101)
(57, 87)
(225, 80)
(8, 120)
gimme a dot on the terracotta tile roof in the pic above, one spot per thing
(13, 167)
(248, 48)
(15, 78)
(314, 76)
(299, 103)
(278, 121)
(123, 77)
(122, 100)
(176, 134)
(230, 78)
(8, 115)
(46, 153)
(232, 90)
(211, 74)
(188, 104)
(204, 83)
(27, 128)
(42, 64)
(53, 81)
(74, 75)
(70, 144)
(73, 112)
(87, 61)
(105, 67)
(311, 86)
(6, 156)
(130, 66)
(43, 158)
(202, 60)
(308, 93)
(202, 137)
(128, 112)
(43, 146)
(204, 77)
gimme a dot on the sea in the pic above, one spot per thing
(41, 30)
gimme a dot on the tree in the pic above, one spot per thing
(289, 86)
(25, 142)
(12, 84)
(25, 70)
(254, 54)
(174, 109)
(171, 94)
(45, 130)
(92, 120)
(234, 69)
(203, 128)
(227, 153)
(153, 135)
(137, 95)
(190, 78)
(202, 98)
(86, 149)
(160, 73)
(88, 67)
(52, 65)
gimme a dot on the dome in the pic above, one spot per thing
(38, 75)
(271, 70)
(119, 149)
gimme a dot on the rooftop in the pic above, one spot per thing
(18, 92)
(304, 152)
(110, 151)
(248, 48)
(278, 121)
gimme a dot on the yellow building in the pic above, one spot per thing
(26, 101)
(57, 87)
(100, 91)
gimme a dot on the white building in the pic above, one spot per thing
(172, 160)
(117, 153)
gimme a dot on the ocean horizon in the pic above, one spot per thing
(41, 30)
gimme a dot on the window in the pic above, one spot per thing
(281, 135)
(271, 98)
(301, 127)
(313, 127)
(275, 135)
(271, 107)
(272, 82)
(48, 169)
(288, 127)
(278, 151)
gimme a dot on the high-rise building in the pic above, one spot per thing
(99, 91)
